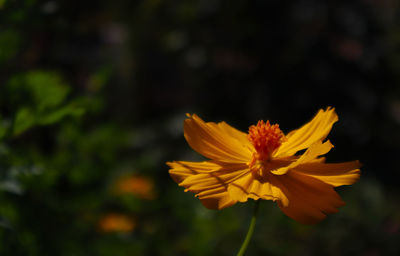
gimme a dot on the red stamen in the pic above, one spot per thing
(266, 138)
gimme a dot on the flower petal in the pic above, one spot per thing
(337, 174)
(309, 198)
(218, 199)
(180, 170)
(208, 180)
(218, 142)
(249, 186)
(235, 133)
(315, 150)
(315, 130)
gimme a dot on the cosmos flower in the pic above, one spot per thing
(264, 164)
(139, 186)
(116, 222)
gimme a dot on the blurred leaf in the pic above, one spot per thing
(3, 131)
(11, 186)
(24, 120)
(41, 94)
(58, 114)
(42, 89)
(9, 42)
(5, 223)
(47, 89)
(3, 128)
(97, 80)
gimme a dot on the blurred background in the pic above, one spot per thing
(93, 95)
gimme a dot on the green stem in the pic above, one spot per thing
(251, 229)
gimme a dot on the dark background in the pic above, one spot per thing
(94, 91)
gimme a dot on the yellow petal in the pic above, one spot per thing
(188, 174)
(315, 130)
(180, 170)
(309, 198)
(205, 181)
(218, 142)
(239, 135)
(239, 190)
(216, 199)
(208, 180)
(249, 186)
(337, 174)
(315, 150)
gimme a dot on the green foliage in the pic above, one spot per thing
(3, 129)
(9, 44)
(24, 120)
(45, 103)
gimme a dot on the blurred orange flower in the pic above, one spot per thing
(115, 222)
(139, 186)
(263, 165)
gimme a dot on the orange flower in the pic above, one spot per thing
(139, 186)
(115, 222)
(263, 165)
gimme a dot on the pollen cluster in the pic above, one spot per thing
(266, 138)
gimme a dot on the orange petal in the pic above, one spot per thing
(239, 135)
(209, 180)
(218, 142)
(180, 170)
(309, 198)
(315, 150)
(239, 189)
(337, 174)
(217, 199)
(315, 130)
(250, 187)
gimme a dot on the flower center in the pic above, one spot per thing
(266, 138)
